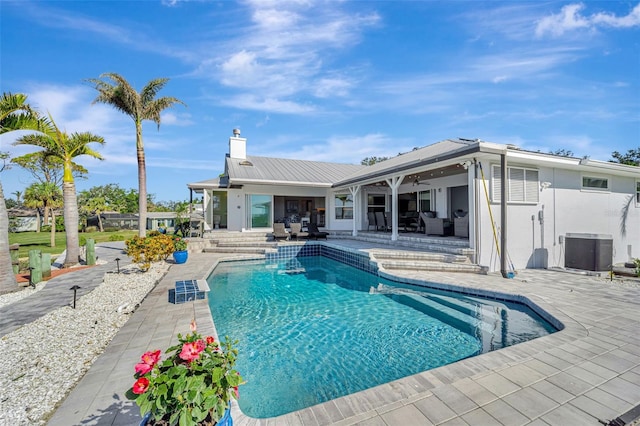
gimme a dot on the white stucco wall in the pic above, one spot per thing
(566, 208)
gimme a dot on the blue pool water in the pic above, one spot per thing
(312, 329)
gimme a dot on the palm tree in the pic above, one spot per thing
(18, 195)
(57, 143)
(46, 195)
(32, 200)
(114, 90)
(15, 114)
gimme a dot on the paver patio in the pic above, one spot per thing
(586, 373)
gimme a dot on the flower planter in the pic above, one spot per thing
(226, 420)
(180, 256)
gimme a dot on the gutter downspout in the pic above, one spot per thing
(503, 215)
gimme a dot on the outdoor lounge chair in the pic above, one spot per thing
(315, 233)
(461, 226)
(279, 232)
(296, 230)
(435, 225)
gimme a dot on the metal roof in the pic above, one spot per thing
(434, 153)
(283, 171)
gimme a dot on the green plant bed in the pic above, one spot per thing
(42, 240)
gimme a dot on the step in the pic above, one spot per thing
(434, 266)
(419, 256)
(243, 250)
(466, 323)
(255, 244)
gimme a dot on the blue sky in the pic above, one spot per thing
(328, 81)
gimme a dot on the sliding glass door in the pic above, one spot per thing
(259, 213)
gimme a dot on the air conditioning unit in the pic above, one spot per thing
(589, 252)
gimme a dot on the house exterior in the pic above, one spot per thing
(522, 209)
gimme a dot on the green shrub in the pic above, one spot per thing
(83, 241)
(91, 229)
(111, 229)
(116, 237)
(637, 262)
(144, 251)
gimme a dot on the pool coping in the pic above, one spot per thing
(597, 354)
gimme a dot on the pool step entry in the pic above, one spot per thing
(483, 322)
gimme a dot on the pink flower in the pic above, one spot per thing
(210, 340)
(141, 385)
(149, 359)
(235, 390)
(143, 368)
(191, 351)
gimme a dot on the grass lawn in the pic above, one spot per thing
(42, 240)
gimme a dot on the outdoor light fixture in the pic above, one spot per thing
(118, 263)
(466, 164)
(544, 185)
(31, 283)
(75, 289)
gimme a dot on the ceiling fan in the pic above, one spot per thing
(418, 182)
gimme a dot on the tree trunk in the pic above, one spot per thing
(8, 280)
(53, 228)
(142, 183)
(45, 215)
(71, 223)
(100, 223)
(38, 222)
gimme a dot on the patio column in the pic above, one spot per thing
(394, 182)
(354, 190)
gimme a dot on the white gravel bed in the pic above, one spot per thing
(41, 362)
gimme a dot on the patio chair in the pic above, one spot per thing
(435, 225)
(196, 228)
(372, 220)
(461, 226)
(296, 230)
(381, 223)
(279, 232)
(315, 233)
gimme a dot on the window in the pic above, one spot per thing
(375, 203)
(523, 186)
(596, 183)
(344, 206)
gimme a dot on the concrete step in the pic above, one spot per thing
(242, 250)
(389, 255)
(247, 243)
(433, 266)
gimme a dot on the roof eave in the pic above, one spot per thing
(413, 164)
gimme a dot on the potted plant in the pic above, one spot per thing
(180, 253)
(194, 385)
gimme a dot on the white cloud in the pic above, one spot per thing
(257, 103)
(348, 148)
(175, 119)
(570, 19)
(287, 52)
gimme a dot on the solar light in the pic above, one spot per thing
(31, 283)
(75, 289)
(118, 263)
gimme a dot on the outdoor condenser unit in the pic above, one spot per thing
(590, 252)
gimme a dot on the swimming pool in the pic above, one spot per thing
(312, 329)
